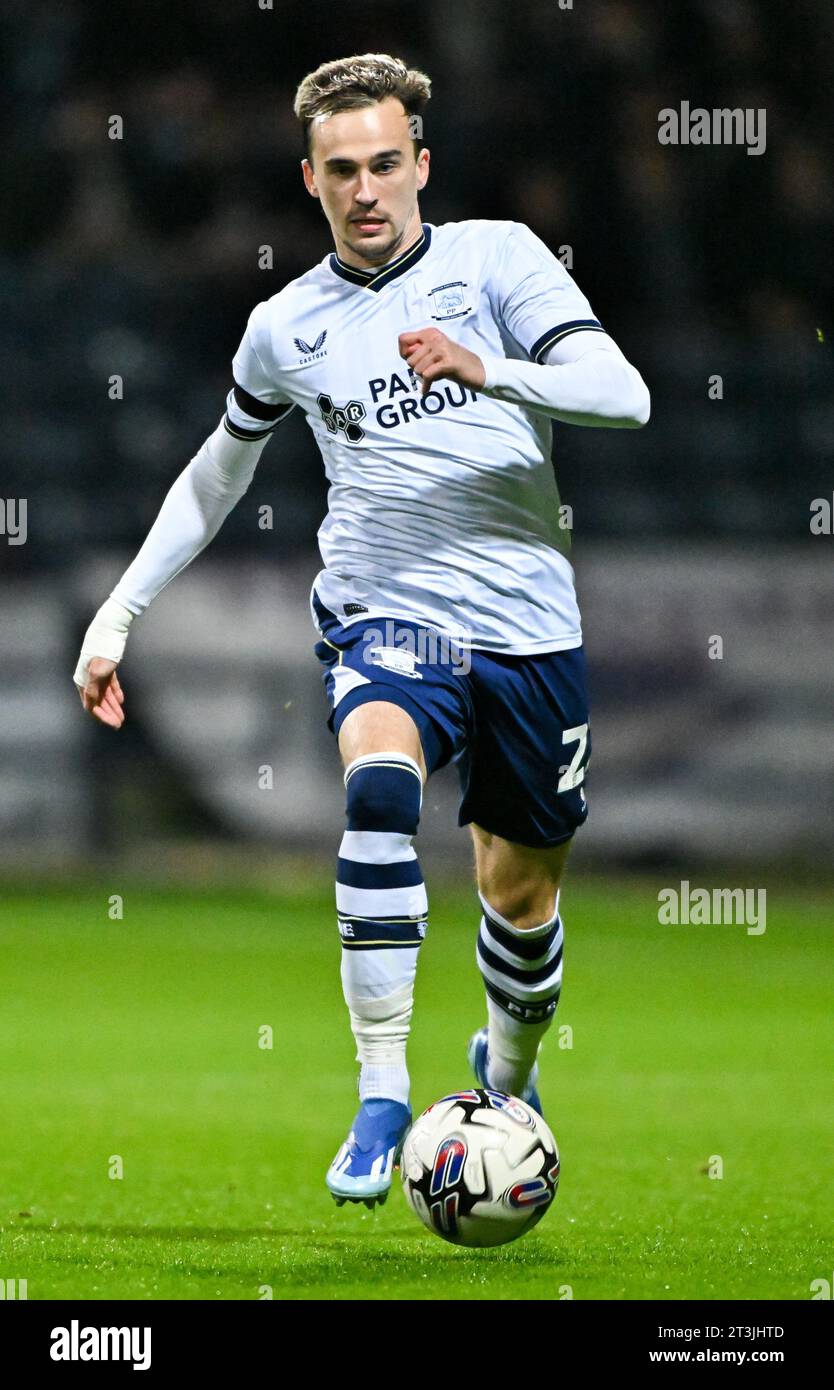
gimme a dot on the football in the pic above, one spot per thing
(479, 1168)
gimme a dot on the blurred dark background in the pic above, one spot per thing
(139, 257)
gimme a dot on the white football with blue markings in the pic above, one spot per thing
(480, 1168)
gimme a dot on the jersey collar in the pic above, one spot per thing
(376, 279)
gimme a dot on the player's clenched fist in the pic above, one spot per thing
(433, 357)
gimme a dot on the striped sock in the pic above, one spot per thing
(382, 906)
(522, 972)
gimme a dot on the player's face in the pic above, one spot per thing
(364, 171)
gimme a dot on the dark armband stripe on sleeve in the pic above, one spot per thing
(238, 432)
(259, 410)
(543, 344)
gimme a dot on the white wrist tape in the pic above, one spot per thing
(106, 636)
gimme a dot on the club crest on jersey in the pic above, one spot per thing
(450, 301)
(311, 354)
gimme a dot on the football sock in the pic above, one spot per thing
(382, 905)
(522, 973)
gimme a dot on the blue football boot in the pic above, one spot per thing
(363, 1169)
(476, 1054)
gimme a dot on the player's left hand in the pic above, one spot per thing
(432, 357)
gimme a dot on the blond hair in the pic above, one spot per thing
(349, 83)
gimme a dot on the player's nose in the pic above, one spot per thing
(365, 195)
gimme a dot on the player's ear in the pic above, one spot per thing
(309, 178)
(423, 160)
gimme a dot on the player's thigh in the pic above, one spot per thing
(379, 726)
(518, 881)
(520, 784)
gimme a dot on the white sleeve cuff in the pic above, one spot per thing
(492, 367)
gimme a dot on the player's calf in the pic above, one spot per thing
(382, 910)
(522, 974)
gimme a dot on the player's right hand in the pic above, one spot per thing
(101, 651)
(102, 696)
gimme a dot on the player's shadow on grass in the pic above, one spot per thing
(220, 1233)
(343, 1242)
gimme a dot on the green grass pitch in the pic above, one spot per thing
(140, 1038)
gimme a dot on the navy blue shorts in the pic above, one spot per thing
(517, 727)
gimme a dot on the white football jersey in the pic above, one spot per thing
(442, 509)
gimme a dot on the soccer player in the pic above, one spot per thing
(429, 362)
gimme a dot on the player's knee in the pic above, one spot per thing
(384, 792)
(525, 904)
